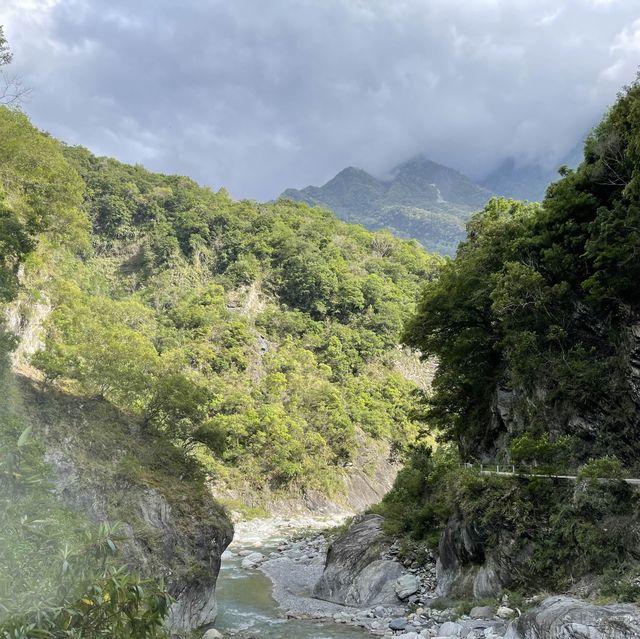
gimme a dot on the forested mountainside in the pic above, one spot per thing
(261, 338)
(96, 511)
(420, 199)
(536, 325)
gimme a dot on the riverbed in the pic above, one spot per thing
(246, 606)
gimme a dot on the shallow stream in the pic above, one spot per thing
(246, 606)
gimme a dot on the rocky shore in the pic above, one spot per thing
(399, 607)
(360, 579)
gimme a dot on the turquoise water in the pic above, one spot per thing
(245, 604)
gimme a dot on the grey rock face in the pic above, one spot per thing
(354, 572)
(568, 618)
(202, 545)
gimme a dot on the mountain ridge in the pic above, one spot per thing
(418, 199)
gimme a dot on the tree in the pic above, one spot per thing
(11, 90)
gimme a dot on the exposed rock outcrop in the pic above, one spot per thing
(365, 483)
(464, 568)
(355, 573)
(156, 539)
(567, 618)
(170, 527)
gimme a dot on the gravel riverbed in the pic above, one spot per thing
(292, 554)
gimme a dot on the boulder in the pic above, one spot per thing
(567, 618)
(399, 623)
(212, 633)
(252, 560)
(450, 629)
(504, 612)
(481, 612)
(406, 586)
(354, 572)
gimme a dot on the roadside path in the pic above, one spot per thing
(487, 470)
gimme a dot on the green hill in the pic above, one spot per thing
(261, 338)
(419, 199)
(536, 328)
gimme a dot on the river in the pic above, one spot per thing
(245, 602)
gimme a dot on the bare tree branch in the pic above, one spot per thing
(12, 91)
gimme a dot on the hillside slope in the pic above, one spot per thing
(260, 339)
(536, 325)
(420, 199)
(90, 501)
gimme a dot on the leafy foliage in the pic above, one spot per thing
(536, 302)
(262, 338)
(548, 532)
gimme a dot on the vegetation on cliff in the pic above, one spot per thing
(532, 321)
(60, 576)
(262, 338)
(535, 327)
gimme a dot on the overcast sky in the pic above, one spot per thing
(260, 95)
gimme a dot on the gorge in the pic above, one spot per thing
(173, 358)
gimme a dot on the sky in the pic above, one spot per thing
(261, 95)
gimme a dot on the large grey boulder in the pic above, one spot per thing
(406, 586)
(354, 573)
(567, 618)
(252, 560)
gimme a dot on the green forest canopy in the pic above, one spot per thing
(261, 336)
(539, 301)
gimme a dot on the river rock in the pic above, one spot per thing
(567, 618)
(252, 560)
(399, 623)
(450, 629)
(481, 612)
(354, 572)
(406, 586)
(212, 633)
(504, 612)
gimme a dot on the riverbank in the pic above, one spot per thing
(268, 578)
(247, 601)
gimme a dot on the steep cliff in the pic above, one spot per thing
(108, 469)
(536, 327)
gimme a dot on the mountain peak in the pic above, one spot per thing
(418, 199)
